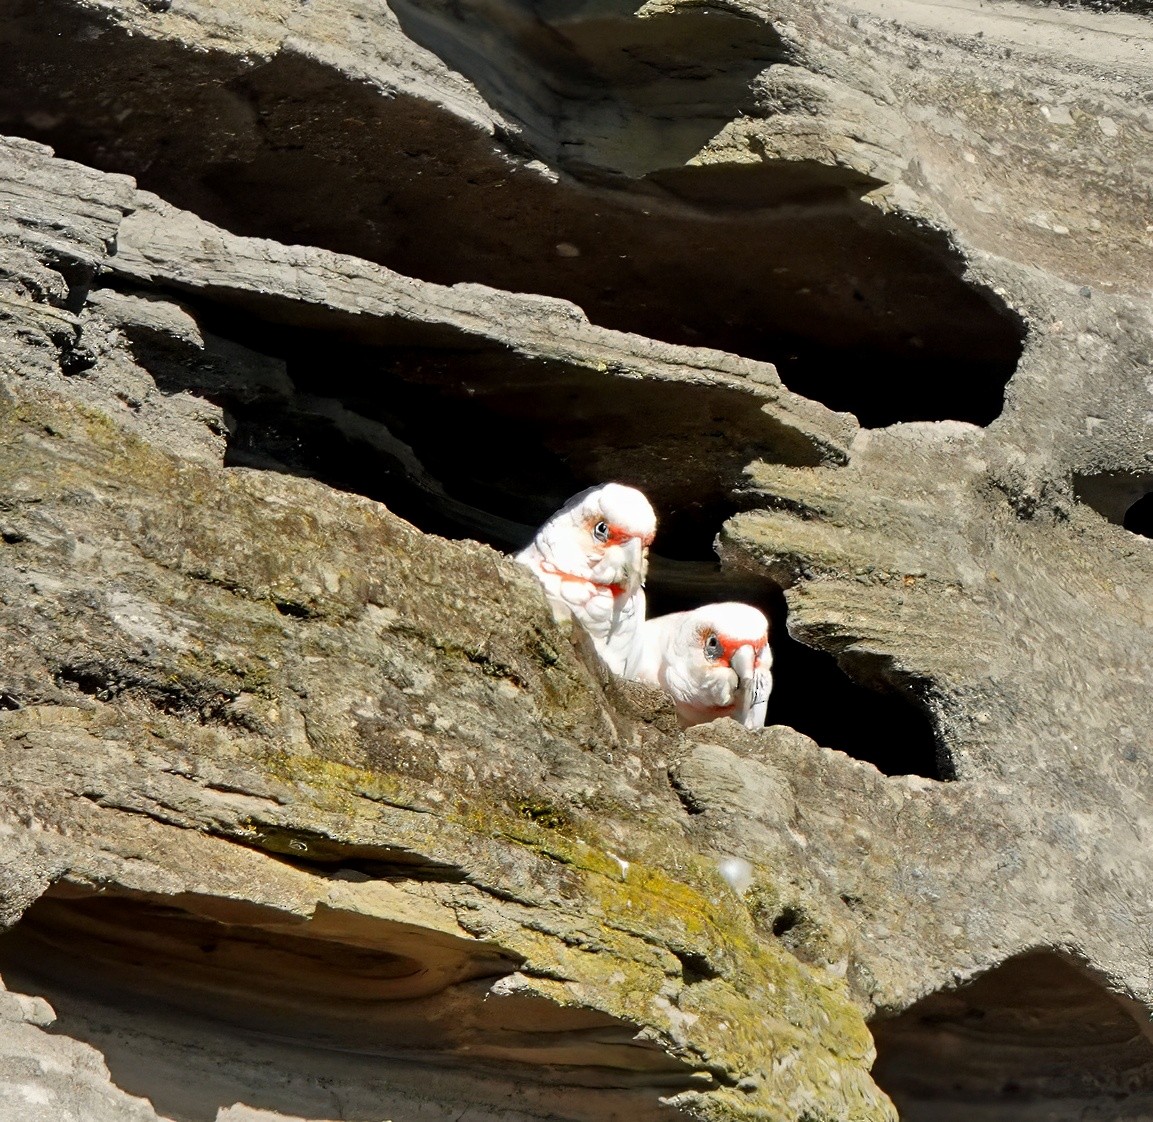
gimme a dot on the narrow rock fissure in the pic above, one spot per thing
(199, 701)
(1137, 7)
(859, 310)
(344, 861)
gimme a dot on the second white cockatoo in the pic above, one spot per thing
(713, 662)
(591, 558)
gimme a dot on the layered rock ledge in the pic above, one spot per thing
(310, 311)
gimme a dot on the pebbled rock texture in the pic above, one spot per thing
(310, 311)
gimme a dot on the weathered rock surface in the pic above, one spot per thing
(308, 813)
(397, 717)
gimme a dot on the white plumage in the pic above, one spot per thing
(591, 558)
(713, 661)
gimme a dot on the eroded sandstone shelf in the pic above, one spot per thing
(311, 811)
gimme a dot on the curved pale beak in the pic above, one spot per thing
(634, 562)
(744, 662)
(753, 683)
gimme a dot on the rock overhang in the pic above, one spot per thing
(1021, 574)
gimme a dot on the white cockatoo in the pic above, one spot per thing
(591, 558)
(713, 662)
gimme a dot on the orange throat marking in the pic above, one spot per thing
(614, 589)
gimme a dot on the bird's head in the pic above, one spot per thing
(727, 650)
(729, 636)
(610, 529)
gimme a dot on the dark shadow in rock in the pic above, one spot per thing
(865, 717)
(197, 1003)
(863, 311)
(464, 438)
(1139, 517)
(1136, 7)
(1124, 498)
(1039, 1037)
(312, 850)
(478, 434)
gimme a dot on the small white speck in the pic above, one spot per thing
(737, 871)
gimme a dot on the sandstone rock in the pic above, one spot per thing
(310, 813)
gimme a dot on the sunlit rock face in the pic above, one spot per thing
(310, 313)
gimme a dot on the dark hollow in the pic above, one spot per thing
(1139, 517)
(188, 999)
(1124, 498)
(783, 262)
(466, 439)
(786, 921)
(813, 695)
(1039, 1037)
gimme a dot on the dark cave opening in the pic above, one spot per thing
(862, 311)
(463, 437)
(878, 722)
(1139, 517)
(186, 998)
(1038, 1037)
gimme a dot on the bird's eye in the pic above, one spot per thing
(601, 531)
(712, 647)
